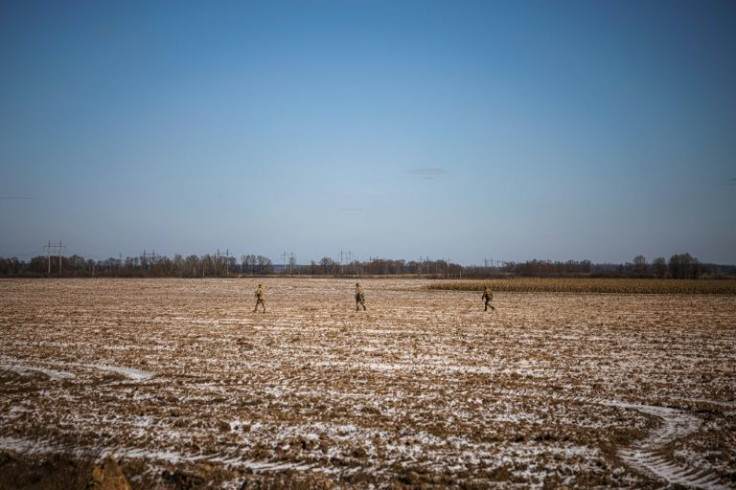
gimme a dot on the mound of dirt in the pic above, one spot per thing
(55, 471)
(49, 472)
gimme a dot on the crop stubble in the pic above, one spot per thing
(188, 387)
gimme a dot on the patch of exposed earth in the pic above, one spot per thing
(189, 388)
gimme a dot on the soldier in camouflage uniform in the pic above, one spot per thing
(260, 298)
(359, 297)
(487, 297)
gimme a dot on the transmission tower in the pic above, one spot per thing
(148, 258)
(58, 248)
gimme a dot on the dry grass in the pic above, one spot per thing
(191, 389)
(593, 286)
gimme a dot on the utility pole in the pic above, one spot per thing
(58, 248)
(148, 258)
(48, 255)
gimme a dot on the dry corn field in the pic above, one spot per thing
(188, 388)
(593, 285)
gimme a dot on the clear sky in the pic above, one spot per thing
(454, 129)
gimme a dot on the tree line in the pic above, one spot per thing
(208, 265)
(678, 266)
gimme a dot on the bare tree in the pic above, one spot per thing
(685, 266)
(250, 263)
(264, 265)
(328, 265)
(641, 266)
(660, 267)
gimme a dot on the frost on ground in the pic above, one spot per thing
(189, 388)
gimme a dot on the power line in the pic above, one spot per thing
(149, 258)
(227, 262)
(58, 248)
(349, 254)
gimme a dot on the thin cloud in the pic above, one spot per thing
(731, 181)
(17, 198)
(428, 173)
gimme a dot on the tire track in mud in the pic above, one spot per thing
(646, 455)
(42, 447)
(130, 373)
(23, 368)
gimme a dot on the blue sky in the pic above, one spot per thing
(460, 130)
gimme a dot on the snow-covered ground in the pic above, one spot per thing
(184, 383)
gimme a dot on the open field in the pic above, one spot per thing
(189, 388)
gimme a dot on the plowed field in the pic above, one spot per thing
(189, 388)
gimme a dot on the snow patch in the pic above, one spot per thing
(135, 374)
(26, 370)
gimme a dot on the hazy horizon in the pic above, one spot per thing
(461, 131)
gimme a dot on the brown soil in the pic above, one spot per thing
(190, 389)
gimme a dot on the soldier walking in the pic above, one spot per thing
(359, 297)
(260, 298)
(487, 297)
